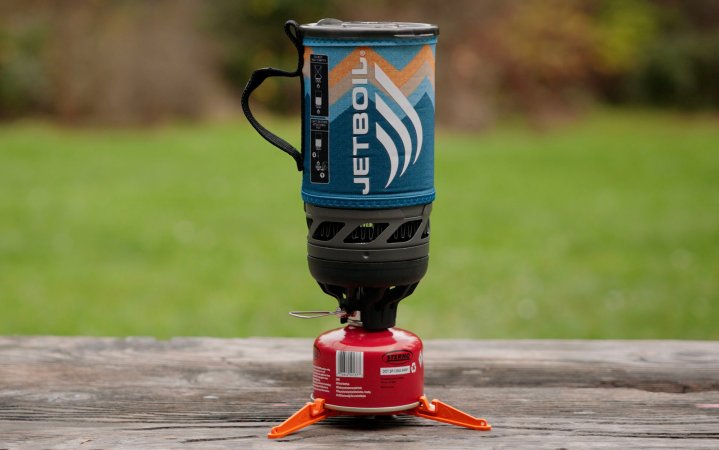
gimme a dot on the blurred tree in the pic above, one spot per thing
(659, 53)
(129, 61)
(23, 82)
(623, 30)
(543, 53)
(680, 67)
(123, 61)
(682, 71)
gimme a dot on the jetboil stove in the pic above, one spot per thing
(367, 159)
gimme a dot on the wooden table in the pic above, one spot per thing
(79, 392)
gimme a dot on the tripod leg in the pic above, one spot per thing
(311, 413)
(442, 412)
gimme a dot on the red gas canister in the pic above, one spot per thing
(362, 371)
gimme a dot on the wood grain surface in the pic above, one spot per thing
(89, 393)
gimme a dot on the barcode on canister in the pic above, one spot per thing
(350, 364)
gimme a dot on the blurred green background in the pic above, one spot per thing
(577, 170)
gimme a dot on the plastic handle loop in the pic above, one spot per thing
(292, 30)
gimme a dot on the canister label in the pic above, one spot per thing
(372, 378)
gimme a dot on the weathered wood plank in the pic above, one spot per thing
(226, 393)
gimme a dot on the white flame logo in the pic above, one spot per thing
(397, 124)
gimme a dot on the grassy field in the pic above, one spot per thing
(606, 228)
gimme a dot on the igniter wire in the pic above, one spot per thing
(339, 312)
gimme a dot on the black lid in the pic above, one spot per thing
(337, 29)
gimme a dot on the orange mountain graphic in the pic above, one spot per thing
(407, 79)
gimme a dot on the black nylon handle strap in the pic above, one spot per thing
(292, 30)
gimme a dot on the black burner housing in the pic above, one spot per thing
(368, 259)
